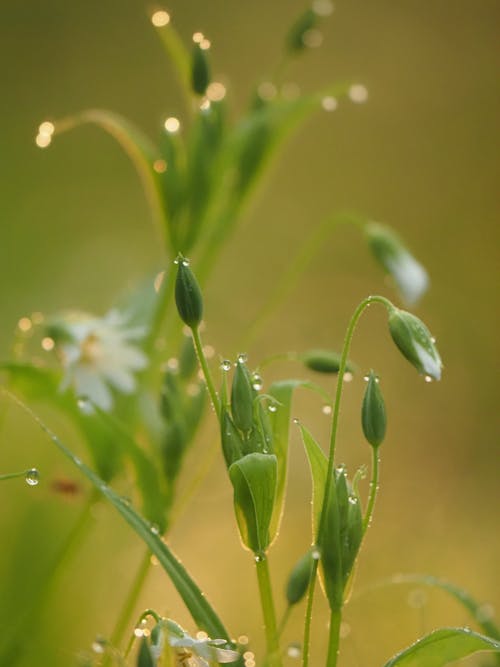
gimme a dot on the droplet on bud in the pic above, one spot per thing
(225, 365)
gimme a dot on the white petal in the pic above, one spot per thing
(120, 379)
(88, 383)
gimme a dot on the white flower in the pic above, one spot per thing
(99, 354)
(198, 652)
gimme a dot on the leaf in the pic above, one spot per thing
(202, 613)
(144, 657)
(318, 463)
(137, 146)
(443, 646)
(254, 482)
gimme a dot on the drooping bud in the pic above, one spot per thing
(299, 579)
(373, 418)
(415, 342)
(242, 395)
(324, 361)
(409, 275)
(295, 41)
(200, 71)
(188, 294)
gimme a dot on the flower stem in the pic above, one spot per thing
(308, 618)
(373, 489)
(13, 475)
(131, 600)
(268, 613)
(334, 637)
(206, 371)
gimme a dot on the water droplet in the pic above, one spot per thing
(242, 640)
(216, 91)
(428, 378)
(295, 420)
(341, 469)
(257, 382)
(358, 93)
(312, 38)
(294, 650)
(77, 460)
(160, 166)
(172, 125)
(466, 628)
(32, 477)
(326, 409)
(138, 632)
(99, 645)
(160, 19)
(272, 408)
(48, 344)
(155, 530)
(433, 340)
(366, 378)
(259, 558)
(322, 7)
(267, 90)
(348, 376)
(329, 103)
(353, 500)
(242, 358)
(85, 405)
(315, 554)
(185, 261)
(225, 365)
(25, 324)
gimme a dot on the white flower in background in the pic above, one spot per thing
(98, 355)
(193, 652)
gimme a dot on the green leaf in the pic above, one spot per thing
(443, 646)
(254, 482)
(202, 613)
(318, 463)
(178, 53)
(200, 70)
(144, 657)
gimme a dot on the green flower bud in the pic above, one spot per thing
(353, 535)
(242, 395)
(409, 275)
(373, 417)
(200, 71)
(144, 657)
(295, 39)
(331, 550)
(188, 294)
(324, 361)
(299, 579)
(232, 445)
(415, 343)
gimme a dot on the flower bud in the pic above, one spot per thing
(323, 361)
(232, 445)
(188, 294)
(415, 343)
(409, 275)
(242, 398)
(373, 417)
(299, 579)
(295, 39)
(353, 535)
(200, 71)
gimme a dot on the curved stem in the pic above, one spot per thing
(131, 600)
(206, 371)
(13, 475)
(268, 613)
(284, 620)
(373, 489)
(308, 618)
(334, 637)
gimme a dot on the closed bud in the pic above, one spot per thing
(373, 418)
(415, 343)
(299, 579)
(324, 361)
(295, 39)
(353, 535)
(409, 275)
(188, 294)
(242, 395)
(144, 657)
(232, 445)
(200, 71)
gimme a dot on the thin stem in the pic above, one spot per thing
(308, 618)
(334, 637)
(131, 600)
(13, 475)
(373, 489)
(284, 620)
(206, 371)
(268, 613)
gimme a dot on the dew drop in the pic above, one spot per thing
(341, 469)
(99, 645)
(85, 406)
(315, 554)
(25, 324)
(294, 650)
(428, 378)
(242, 358)
(366, 378)
(295, 420)
(155, 530)
(172, 125)
(259, 558)
(160, 19)
(185, 261)
(348, 376)
(272, 408)
(225, 365)
(329, 103)
(322, 7)
(433, 340)
(32, 477)
(353, 500)
(326, 409)
(257, 382)
(358, 93)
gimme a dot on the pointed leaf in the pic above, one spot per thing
(443, 646)
(318, 463)
(254, 482)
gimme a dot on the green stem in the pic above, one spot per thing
(334, 637)
(308, 618)
(131, 600)
(268, 613)
(373, 489)
(284, 620)
(13, 475)
(206, 371)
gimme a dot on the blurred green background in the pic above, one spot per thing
(75, 230)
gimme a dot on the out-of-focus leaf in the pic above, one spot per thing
(443, 646)
(202, 613)
(254, 483)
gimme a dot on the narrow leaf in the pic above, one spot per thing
(318, 463)
(443, 646)
(202, 613)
